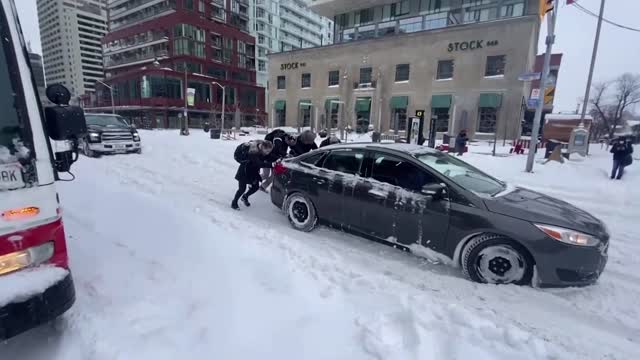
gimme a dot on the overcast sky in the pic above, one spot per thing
(619, 49)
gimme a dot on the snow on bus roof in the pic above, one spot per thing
(566, 117)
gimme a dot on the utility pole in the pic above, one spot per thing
(594, 55)
(551, 38)
(186, 101)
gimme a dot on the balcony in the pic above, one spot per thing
(130, 7)
(150, 41)
(147, 13)
(142, 57)
(329, 8)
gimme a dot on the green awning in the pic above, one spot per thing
(280, 105)
(305, 103)
(440, 101)
(328, 105)
(491, 100)
(399, 102)
(363, 104)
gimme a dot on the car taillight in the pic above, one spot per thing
(279, 169)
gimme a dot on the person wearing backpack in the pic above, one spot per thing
(622, 158)
(281, 143)
(252, 156)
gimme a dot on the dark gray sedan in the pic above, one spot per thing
(424, 200)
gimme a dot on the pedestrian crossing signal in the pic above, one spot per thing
(546, 6)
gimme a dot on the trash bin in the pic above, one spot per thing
(375, 137)
(215, 133)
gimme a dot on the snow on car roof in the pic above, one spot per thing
(403, 147)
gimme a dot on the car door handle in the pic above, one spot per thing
(319, 181)
(377, 194)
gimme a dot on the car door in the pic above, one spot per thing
(307, 179)
(341, 170)
(396, 210)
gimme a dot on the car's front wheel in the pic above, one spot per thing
(301, 212)
(494, 259)
(86, 150)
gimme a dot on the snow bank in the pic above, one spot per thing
(22, 285)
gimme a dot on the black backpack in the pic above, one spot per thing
(241, 153)
(277, 133)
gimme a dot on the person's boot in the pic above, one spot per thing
(234, 205)
(245, 201)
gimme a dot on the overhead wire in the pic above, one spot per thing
(589, 12)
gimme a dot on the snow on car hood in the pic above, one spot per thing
(535, 207)
(22, 285)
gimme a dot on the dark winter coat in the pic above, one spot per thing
(305, 142)
(251, 161)
(621, 151)
(280, 146)
(331, 140)
(461, 140)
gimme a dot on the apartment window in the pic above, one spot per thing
(201, 6)
(188, 4)
(334, 78)
(306, 80)
(487, 119)
(364, 16)
(495, 65)
(402, 72)
(242, 47)
(365, 75)
(445, 70)
(282, 82)
(226, 56)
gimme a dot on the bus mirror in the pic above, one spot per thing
(58, 94)
(65, 122)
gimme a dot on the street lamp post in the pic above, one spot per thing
(223, 105)
(113, 104)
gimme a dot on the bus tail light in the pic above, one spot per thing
(21, 213)
(32, 256)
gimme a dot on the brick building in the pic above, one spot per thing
(154, 47)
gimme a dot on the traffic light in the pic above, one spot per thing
(546, 6)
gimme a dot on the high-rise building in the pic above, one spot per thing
(71, 32)
(157, 52)
(38, 74)
(284, 25)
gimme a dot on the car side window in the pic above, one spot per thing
(313, 159)
(344, 161)
(398, 172)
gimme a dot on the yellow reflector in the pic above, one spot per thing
(14, 261)
(23, 213)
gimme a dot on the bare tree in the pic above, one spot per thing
(613, 100)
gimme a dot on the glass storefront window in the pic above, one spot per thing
(410, 25)
(442, 119)
(487, 119)
(366, 32)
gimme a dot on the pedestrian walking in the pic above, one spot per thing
(305, 142)
(330, 140)
(622, 158)
(281, 143)
(461, 142)
(252, 156)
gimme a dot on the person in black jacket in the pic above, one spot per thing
(621, 151)
(281, 143)
(305, 142)
(252, 156)
(330, 140)
(461, 142)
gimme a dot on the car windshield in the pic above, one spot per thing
(462, 173)
(106, 120)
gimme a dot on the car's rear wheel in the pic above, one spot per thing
(301, 212)
(494, 259)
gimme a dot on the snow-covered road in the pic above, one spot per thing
(164, 269)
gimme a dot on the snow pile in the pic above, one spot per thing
(152, 239)
(22, 285)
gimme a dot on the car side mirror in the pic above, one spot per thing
(63, 122)
(436, 191)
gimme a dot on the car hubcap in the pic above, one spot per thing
(501, 264)
(300, 211)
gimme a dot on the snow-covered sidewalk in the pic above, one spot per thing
(164, 269)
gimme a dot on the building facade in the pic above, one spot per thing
(37, 67)
(458, 60)
(156, 50)
(284, 25)
(71, 32)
